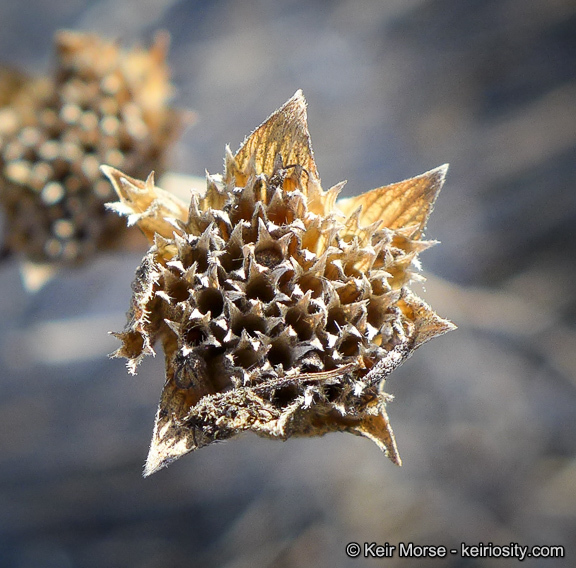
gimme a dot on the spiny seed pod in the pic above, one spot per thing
(280, 310)
(103, 105)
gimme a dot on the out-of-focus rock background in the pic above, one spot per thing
(485, 417)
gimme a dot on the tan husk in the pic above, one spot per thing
(280, 310)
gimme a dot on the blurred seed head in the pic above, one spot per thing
(101, 104)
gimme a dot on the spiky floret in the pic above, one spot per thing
(280, 310)
(102, 104)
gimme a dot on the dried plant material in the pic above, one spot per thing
(102, 104)
(280, 310)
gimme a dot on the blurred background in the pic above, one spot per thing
(485, 417)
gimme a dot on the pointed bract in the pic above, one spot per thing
(401, 204)
(153, 209)
(284, 133)
(376, 427)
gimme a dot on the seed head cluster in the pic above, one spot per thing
(280, 309)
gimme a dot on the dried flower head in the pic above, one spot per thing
(103, 104)
(280, 310)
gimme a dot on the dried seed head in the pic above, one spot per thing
(103, 104)
(280, 309)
